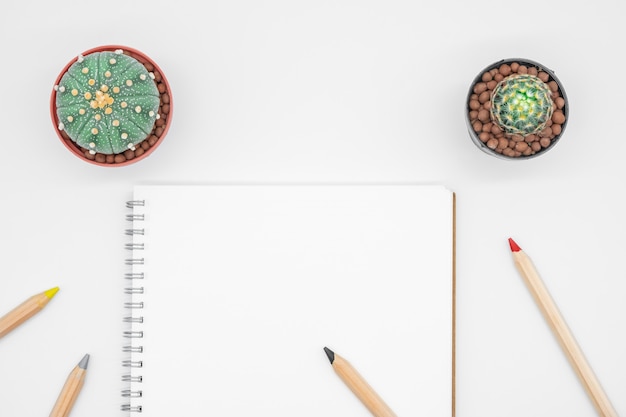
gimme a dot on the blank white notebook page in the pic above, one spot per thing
(244, 285)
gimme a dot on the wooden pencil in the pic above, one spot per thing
(26, 310)
(562, 332)
(359, 386)
(71, 389)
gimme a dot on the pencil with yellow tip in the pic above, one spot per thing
(26, 310)
(561, 331)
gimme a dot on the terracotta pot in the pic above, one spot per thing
(158, 133)
(475, 136)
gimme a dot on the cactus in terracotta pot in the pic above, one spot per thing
(521, 104)
(107, 102)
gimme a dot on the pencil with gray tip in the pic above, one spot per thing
(71, 389)
(359, 386)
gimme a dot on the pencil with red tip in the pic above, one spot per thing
(561, 331)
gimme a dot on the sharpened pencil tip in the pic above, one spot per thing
(330, 354)
(514, 246)
(50, 293)
(84, 362)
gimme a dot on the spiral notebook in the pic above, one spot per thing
(236, 289)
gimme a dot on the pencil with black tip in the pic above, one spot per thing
(359, 386)
(26, 310)
(562, 332)
(71, 389)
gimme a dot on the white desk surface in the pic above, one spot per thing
(327, 91)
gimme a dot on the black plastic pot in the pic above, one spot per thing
(474, 136)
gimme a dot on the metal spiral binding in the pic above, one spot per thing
(133, 334)
(135, 303)
(129, 393)
(133, 319)
(127, 407)
(134, 246)
(136, 349)
(135, 203)
(132, 364)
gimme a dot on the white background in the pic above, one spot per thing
(333, 92)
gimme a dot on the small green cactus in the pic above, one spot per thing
(521, 104)
(107, 102)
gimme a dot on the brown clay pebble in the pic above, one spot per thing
(157, 76)
(477, 126)
(484, 97)
(533, 71)
(521, 146)
(483, 116)
(484, 136)
(553, 86)
(492, 143)
(531, 138)
(495, 129)
(543, 76)
(487, 77)
(152, 140)
(166, 108)
(556, 129)
(148, 66)
(545, 142)
(560, 102)
(491, 84)
(480, 87)
(109, 159)
(503, 143)
(505, 70)
(474, 104)
(558, 117)
(165, 98)
(523, 69)
(514, 66)
(161, 88)
(498, 77)
(546, 132)
(129, 154)
(517, 138)
(145, 145)
(158, 131)
(536, 146)
(473, 114)
(90, 156)
(140, 151)
(159, 122)
(119, 158)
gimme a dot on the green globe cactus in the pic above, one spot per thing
(521, 104)
(107, 102)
